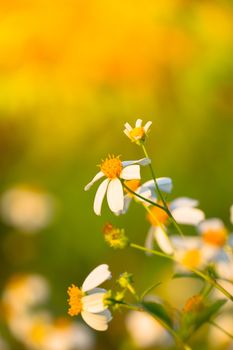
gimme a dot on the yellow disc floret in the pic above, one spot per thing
(215, 237)
(111, 167)
(75, 300)
(191, 259)
(137, 134)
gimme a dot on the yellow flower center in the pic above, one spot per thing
(75, 300)
(137, 134)
(132, 185)
(215, 237)
(195, 303)
(111, 167)
(38, 332)
(157, 216)
(191, 258)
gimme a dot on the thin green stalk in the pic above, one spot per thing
(143, 198)
(197, 272)
(160, 193)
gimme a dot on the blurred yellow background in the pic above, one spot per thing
(71, 73)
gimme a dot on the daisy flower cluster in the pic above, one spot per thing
(197, 247)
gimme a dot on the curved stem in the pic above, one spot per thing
(196, 272)
(160, 193)
(143, 198)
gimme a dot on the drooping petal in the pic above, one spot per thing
(100, 196)
(211, 224)
(147, 126)
(184, 202)
(99, 321)
(138, 123)
(165, 184)
(142, 161)
(95, 178)
(128, 126)
(131, 172)
(97, 276)
(126, 131)
(163, 241)
(188, 216)
(115, 196)
(231, 214)
(94, 302)
(150, 239)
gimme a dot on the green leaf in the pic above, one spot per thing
(191, 321)
(158, 311)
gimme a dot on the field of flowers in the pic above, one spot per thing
(116, 217)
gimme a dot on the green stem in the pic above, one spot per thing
(143, 198)
(160, 193)
(196, 272)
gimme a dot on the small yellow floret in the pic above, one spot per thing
(137, 134)
(191, 258)
(75, 300)
(111, 167)
(195, 303)
(215, 237)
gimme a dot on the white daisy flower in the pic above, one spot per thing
(183, 210)
(139, 132)
(114, 170)
(190, 253)
(213, 232)
(89, 300)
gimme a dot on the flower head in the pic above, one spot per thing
(89, 300)
(115, 171)
(139, 132)
(213, 232)
(115, 236)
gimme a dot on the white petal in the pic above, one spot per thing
(128, 126)
(126, 132)
(188, 216)
(94, 302)
(188, 242)
(184, 202)
(163, 241)
(142, 161)
(99, 275)
(138, 123)
(211, 224)
(165, 184)
(100, 196)
(99, 321)
(95, 178)
(131, 172)
(147, 126)
(231, 214)
(127, 201)
(115, 196)
(150, 239)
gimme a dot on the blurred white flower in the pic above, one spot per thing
(24, 291)
(114, 170)
(213, 232)
(139, 132)
(89, 300)
(183, 210)
(144, 330)
(26, 208)
(190, 253)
